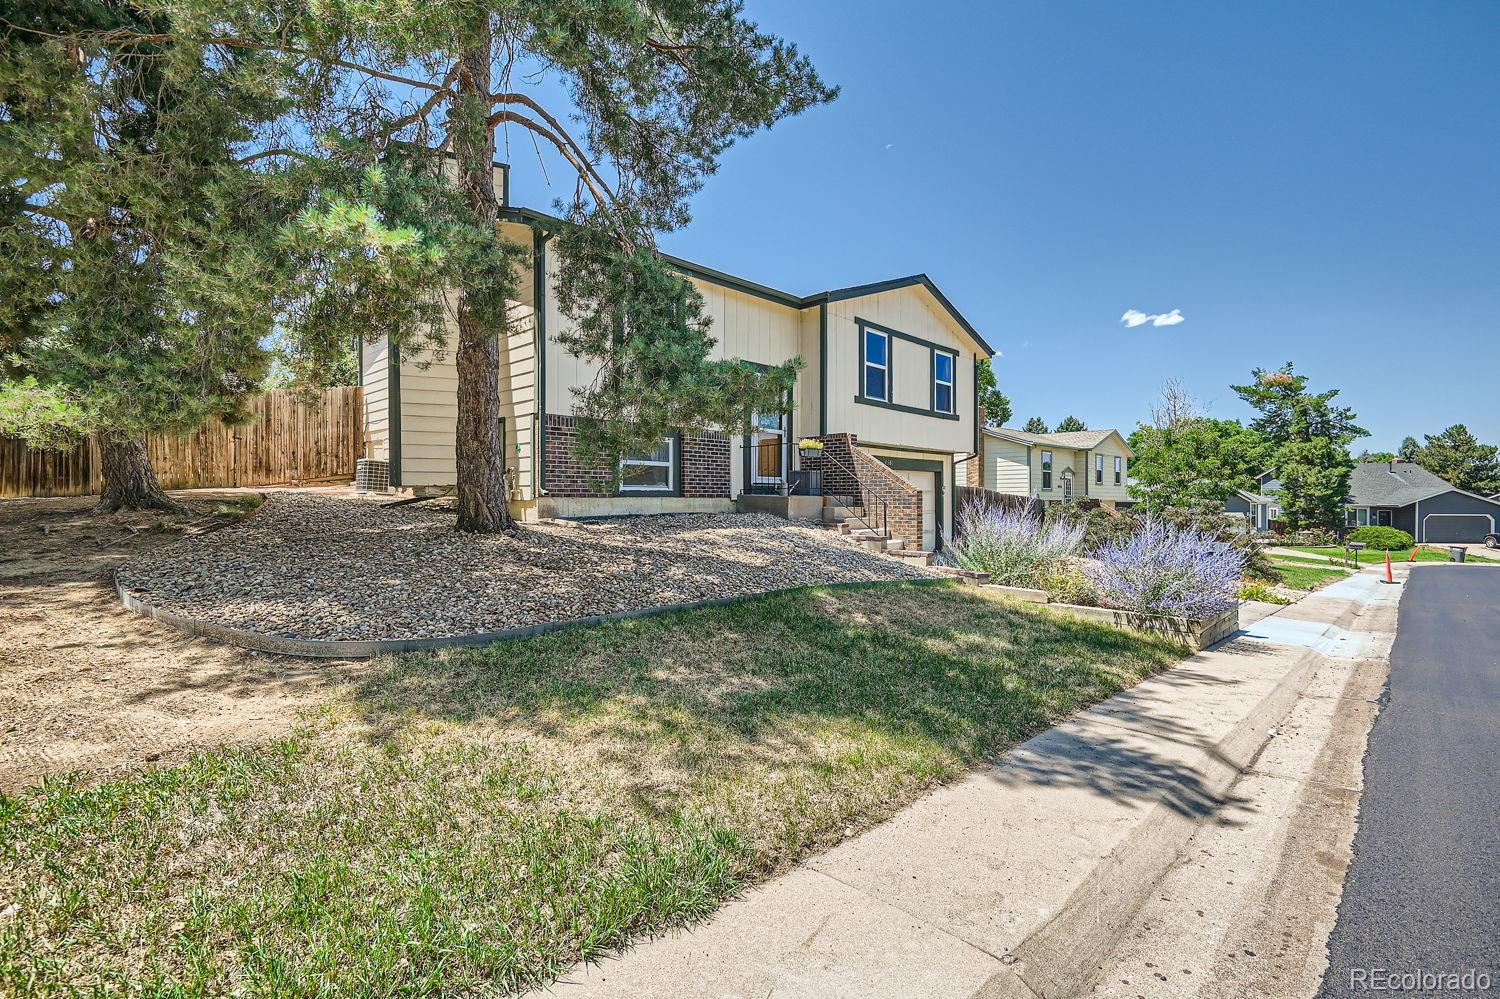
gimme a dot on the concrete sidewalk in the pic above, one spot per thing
(1018, 880)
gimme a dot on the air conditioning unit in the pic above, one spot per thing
(372, 475)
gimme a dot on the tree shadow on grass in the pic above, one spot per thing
(791, 683)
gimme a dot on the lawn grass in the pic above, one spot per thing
(1370, 557)
(1306, 577)
(476, 821)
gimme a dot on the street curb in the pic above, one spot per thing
(1061, 955)
(316, 648)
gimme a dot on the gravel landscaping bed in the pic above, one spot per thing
(322, 567)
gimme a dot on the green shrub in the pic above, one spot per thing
(1067, 585)
(1263, 593)
(1383, 539)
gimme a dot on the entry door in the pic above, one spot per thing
(768, 463)
(927, 482)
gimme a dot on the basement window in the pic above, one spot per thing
(648, 471)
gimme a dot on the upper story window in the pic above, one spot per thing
(648, 471)
(1099, 469)
(942, 382)
(877, 365)
(1119, 469)
(1046, 469)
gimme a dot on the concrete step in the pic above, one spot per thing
(894, 544)
(913, 555)
(867, 534)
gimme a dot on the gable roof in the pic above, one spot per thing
(1397, 483)
(1074, 440)
(531, 216)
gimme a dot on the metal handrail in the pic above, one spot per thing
(884, 527)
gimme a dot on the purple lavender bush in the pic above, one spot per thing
(1166, 569)
(1011, 544)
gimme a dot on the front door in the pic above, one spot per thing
(768, 458)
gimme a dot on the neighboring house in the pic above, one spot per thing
(888, 385)
(1395, 494)
(1055, 468)
(1261, 506)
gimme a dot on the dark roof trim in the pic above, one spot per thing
(530, 216)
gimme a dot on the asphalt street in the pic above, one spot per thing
(1422, 898)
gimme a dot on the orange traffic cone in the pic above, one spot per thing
(1413, 556)
(1389, 578)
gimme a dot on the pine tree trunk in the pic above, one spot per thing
(480, 452)
(129, 480)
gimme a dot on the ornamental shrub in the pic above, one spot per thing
(1383, 539)
(1012, 544)
(1167, 569)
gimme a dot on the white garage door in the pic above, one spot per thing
(927, 482)
(1455, 527)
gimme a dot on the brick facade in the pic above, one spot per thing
(849, 471)
(702, 469)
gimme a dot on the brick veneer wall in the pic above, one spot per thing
(703, 465)
(849, 470)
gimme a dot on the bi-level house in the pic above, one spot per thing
(888, 389)
(1054, 468)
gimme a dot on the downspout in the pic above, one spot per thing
(539, 239)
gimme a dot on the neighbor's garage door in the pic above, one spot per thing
(1455, 527)
(927, 482)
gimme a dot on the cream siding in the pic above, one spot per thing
(429, 415)
(912, 311)
(1111, 447)
(374, 363)
(1005, 467)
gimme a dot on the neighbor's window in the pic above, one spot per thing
(648, 471)
(1119, 469)
(1099, 469)
(877, 365)
(942, 382)
(1349, 520)
(1046, 469)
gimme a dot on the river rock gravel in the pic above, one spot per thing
(330, 567)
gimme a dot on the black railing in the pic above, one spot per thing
(771, 474)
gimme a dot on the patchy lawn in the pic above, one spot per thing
(481, 819)
(1307, 577)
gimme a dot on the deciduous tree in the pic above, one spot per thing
(995, 403)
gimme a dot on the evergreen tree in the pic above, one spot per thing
(1410, 450)
(1374, 456)
(111, 162)
(1309, 439)
(1036, 425)
(1457, 456)
(995, 403)
(1071, 424)
(378, 170)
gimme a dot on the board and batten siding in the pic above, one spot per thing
(911, 311)
(375, 364)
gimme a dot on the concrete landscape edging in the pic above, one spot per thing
(319, 648)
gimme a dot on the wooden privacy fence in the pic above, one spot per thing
(286, 442)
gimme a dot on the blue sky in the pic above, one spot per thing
(1317, 183)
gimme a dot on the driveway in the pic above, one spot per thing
(1423, 892)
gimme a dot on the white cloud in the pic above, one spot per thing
(1135, 317)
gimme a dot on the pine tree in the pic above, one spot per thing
(1457, 456)
(1071, 424)
(1409, 450)
(1309, 439)
(378, 169)
(1036, 425)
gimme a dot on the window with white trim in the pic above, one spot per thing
(1119, 469)
(877, 365)
(942, 382)
(648, 471)
(1046, 469)
(1099, 469)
